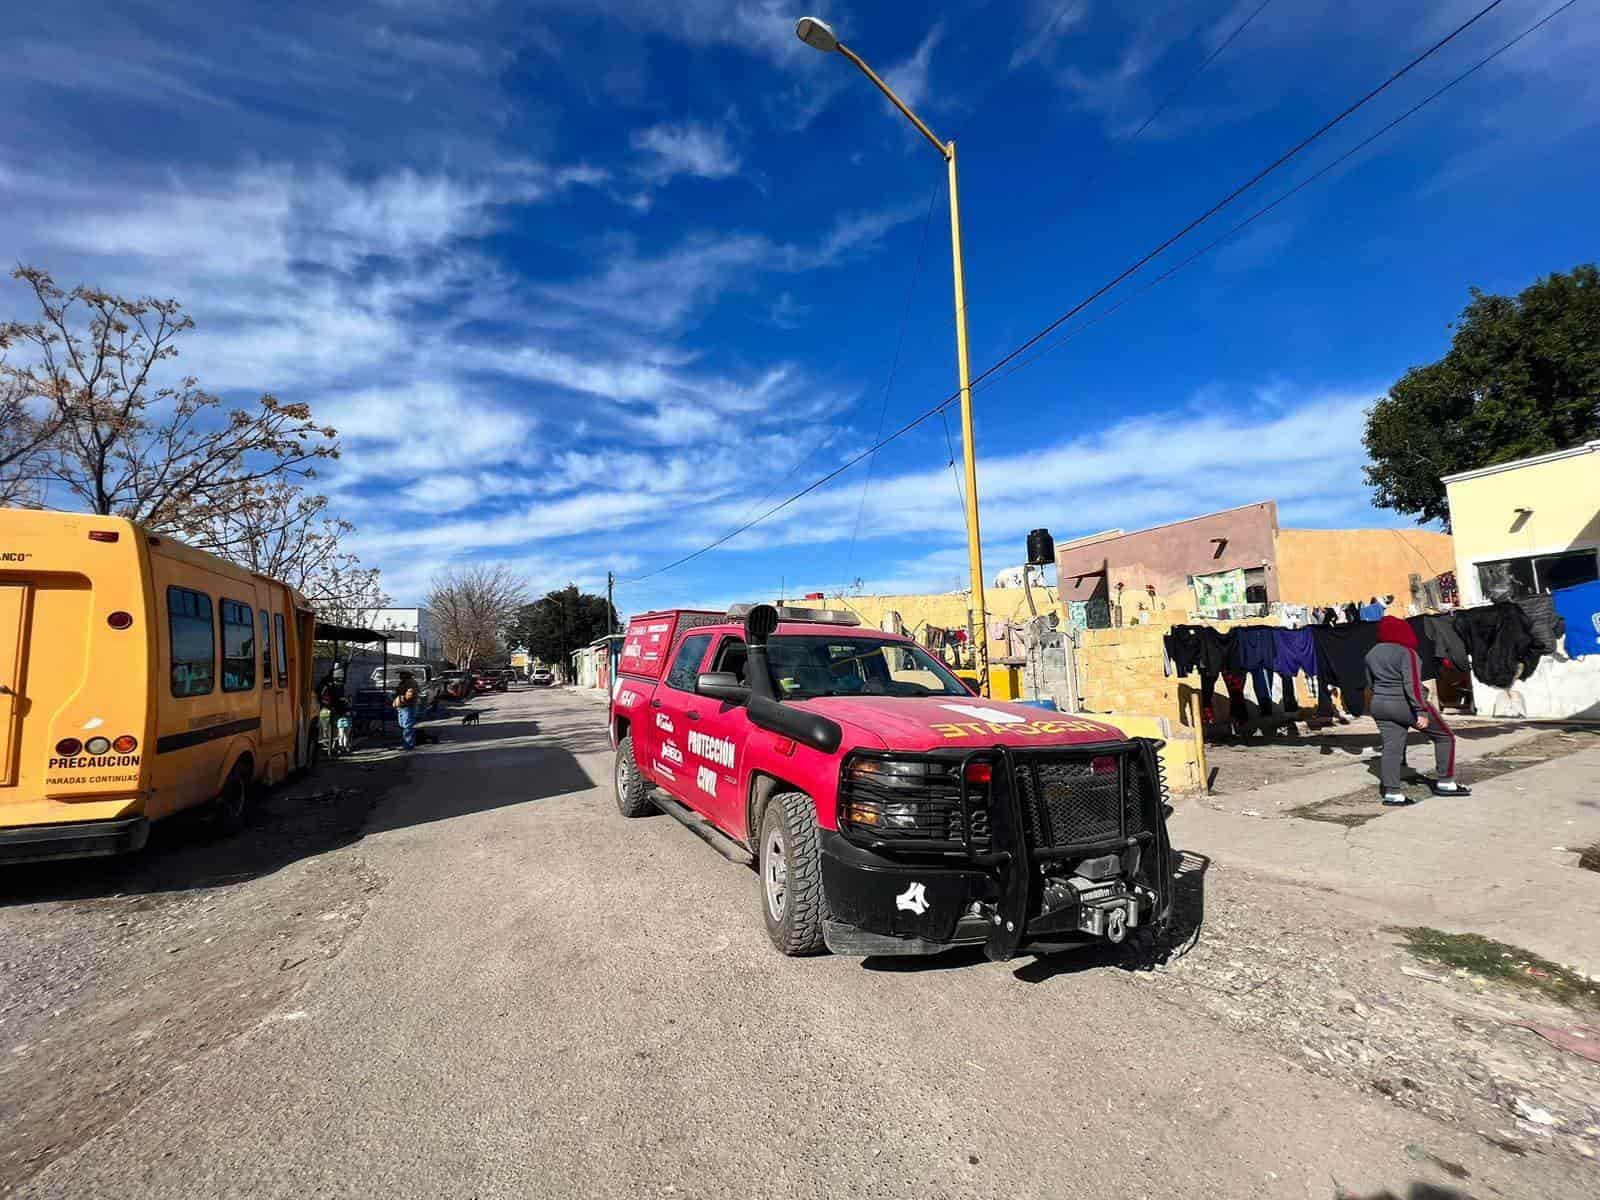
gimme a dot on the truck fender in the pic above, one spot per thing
(619, 730)
(763, 787)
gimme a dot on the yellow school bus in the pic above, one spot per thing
(138, 678)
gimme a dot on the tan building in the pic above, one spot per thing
(1521, 529)
(1239, 560)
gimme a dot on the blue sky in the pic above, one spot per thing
(584, 282)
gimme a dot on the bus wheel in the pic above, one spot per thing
(232, 804)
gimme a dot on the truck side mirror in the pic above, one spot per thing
(722, 685)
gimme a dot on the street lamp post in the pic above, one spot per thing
(819, 36)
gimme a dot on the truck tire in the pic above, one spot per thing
(789, 866)
(633, 793)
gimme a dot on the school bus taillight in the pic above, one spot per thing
(68, 747)
(103, 535)
(120, 620)
(126, 744)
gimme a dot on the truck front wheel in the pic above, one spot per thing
(633, 793)
(790, 868)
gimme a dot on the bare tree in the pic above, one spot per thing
(27, 427)
(127, 444)
(283, 531)
(471, 605)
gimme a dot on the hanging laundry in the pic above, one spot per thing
(1446, 642)
(1184, 648)
(1257, 654)
(1449, 593)
(1500, 641)
(1547, 625)
(1342, 661)
(1373, 610)
(1427, 655)
(1294, 652)
(1579, 608)
(1352, 614)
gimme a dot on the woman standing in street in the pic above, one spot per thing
(405, 707)
(1398, 705)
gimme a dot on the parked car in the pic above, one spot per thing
(542, 677)
(457, 685)
(887, 809)
(430, 685)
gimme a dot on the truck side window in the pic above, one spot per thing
(732, 656)
(194, 648)
(686, 667)
(238, 646)
(266, 649)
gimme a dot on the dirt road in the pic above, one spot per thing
(540, 998)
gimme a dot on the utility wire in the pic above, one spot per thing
(1038, 337)
(894, 367)
(1299, 187)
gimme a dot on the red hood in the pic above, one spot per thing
(926, 723)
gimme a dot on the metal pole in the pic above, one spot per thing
(980, 613)
(611, 609)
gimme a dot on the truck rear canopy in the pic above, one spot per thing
(651, 636)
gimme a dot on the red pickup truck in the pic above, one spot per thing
(886, 808)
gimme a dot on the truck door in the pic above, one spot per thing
(13, 650)
(718, 733)
(668, 721)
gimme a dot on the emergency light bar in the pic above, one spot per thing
(816, 616)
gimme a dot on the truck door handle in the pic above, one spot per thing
(692, 715)
(655, 703)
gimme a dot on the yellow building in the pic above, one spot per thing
(1523, 528)
(1528, 526)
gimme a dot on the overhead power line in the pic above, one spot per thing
(1294, 191)
(1055, 324)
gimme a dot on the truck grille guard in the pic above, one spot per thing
(1031, 826)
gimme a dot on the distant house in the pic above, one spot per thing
(412, 632)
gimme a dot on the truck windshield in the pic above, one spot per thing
(813, 665)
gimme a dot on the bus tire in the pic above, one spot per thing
(789, 866)
(633, 793)
(233, 802)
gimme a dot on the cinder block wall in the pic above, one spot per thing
(1120, 675)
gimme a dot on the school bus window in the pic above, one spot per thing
(266, 650)
(194, 651)
(280, 649)
(238, 646)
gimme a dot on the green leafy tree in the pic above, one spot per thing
(559, 622)
(1522, 377)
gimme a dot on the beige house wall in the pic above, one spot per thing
(1335, 566)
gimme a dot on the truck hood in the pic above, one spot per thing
(927, 723)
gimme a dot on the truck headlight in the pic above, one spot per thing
(910, 798)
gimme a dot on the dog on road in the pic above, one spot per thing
(470, 718)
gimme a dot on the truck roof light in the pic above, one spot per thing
(815, 616)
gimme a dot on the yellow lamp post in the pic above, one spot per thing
(819, 36)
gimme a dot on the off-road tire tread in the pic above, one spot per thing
(633, 799)
(800, 934)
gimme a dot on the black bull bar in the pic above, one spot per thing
(1023, 841)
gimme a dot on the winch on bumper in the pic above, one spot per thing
(1009, 848)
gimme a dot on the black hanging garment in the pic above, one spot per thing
(1219, 655)
(1184, 648)
(1501, 641)
(1547, 624)
(1342, 663)
(1427, 652)
(1447, 643)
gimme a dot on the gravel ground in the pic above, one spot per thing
(120, 973)
(1322, 984)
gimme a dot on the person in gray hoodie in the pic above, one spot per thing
(1398, 705)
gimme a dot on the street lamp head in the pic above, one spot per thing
(816, 34)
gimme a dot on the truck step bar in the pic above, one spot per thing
(702, 828)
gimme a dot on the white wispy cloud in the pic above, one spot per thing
(691, 148)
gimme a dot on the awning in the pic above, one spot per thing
(349, 633)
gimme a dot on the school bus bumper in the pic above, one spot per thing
(78, 839)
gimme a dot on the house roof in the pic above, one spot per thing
(1518, 464)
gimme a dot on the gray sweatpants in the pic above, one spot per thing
(1395, 721)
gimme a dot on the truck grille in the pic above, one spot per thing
(1067, 801)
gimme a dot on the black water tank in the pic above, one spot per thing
(1041, 548)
